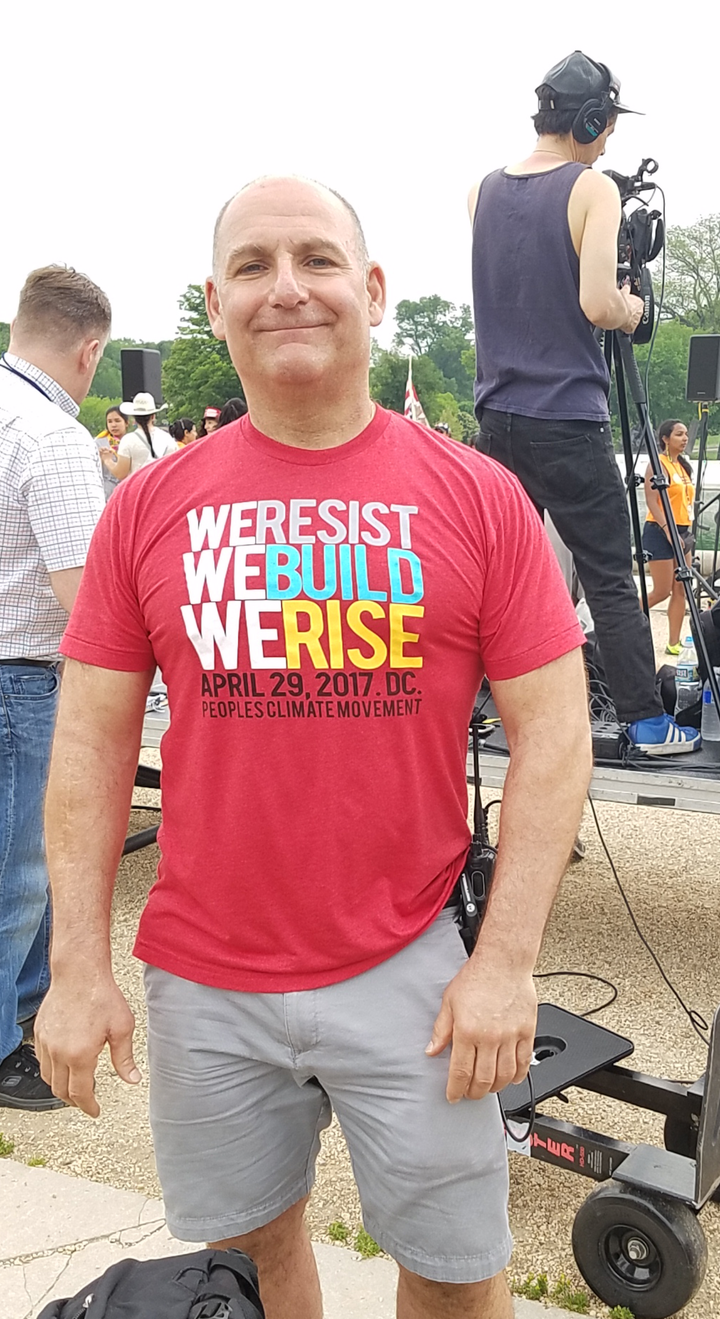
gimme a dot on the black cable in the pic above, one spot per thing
(697, 1021)
(525, 1135)
(479, 709)
(661, 299)
(584, 975)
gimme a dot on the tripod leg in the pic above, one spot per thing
(630, 469)
(683, 573)
(702, 453)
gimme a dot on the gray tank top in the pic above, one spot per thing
(537, 354)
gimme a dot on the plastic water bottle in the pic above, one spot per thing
(710, 722)
(688, 687)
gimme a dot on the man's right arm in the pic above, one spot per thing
(594, 216)
(94, 759)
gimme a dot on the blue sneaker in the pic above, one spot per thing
(663, 737)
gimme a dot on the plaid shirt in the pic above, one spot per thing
(51, 496)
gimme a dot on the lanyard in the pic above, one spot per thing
(27, 379)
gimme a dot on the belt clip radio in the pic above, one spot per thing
(477, 874)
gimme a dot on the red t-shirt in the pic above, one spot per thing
(322, 619)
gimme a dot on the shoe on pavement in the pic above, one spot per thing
(673, 650)
(21, 1085)
(663, 737)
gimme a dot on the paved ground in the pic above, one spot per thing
(59, 1233)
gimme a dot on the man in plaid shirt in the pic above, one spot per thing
(51, 496)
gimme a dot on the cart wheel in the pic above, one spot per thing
(639, 1249)
(681, 1138)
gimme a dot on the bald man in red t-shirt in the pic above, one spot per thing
(324, 585)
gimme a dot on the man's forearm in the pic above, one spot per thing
(542, 804)
(86, 813)
(613, 316)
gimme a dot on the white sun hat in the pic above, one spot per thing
(143, 405)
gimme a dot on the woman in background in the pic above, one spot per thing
(234, 408)
(141, 446)
(672, 440)
(183, 431)
(209, 423)
(107, 442)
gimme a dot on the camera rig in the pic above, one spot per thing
(641, 239)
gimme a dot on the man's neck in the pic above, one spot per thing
(310, 422)
(549, 153)
(53, 364)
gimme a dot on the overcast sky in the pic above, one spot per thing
(128, 124)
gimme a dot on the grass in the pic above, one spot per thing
(37, 1161)
(564, 1293)
(6, 1146)
(535, 1287)
(621, 1312)
(365, 1245)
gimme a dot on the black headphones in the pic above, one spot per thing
(591, 120)
(586, 88)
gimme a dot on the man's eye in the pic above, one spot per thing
(251, 268)
(319, 261)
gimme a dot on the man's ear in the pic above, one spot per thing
(90, 354)
(214, 310)
(377, 293)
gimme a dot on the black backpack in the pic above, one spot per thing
(211, 1284)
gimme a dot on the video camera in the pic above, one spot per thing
(640, 241)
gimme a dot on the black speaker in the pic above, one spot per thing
(703, 378)
(141, 373)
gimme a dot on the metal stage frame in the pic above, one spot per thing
(628, 785)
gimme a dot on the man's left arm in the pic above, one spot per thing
(65, 498)
(489, 1010)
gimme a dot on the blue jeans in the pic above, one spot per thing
(28, 700)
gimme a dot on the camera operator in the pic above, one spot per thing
(545, 236)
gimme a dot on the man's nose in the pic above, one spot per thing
(288, 289)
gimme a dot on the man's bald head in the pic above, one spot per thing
(338, 199)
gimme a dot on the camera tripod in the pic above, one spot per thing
(620, 357)
(701, 508)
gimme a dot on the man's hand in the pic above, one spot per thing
(73, 1025)
(489, 1016)
(635, 308)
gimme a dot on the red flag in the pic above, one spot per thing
(413, 408)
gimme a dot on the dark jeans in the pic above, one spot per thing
(569, 469)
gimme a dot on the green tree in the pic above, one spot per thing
(437, 329)
(666, 382)
(388, 378)
(4, 336)
(107, 381)
(446, 406)
(92, 412)
(420, 323)
(692, 288)
(198, 372)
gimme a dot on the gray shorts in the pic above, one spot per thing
(241, 1085)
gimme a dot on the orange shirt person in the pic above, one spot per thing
(672, 439)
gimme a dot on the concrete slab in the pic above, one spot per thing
(41, 1209)
(60, 1232)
